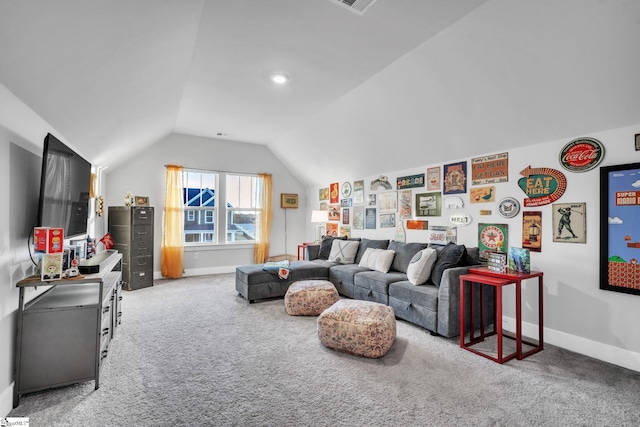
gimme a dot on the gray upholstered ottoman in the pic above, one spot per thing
(310, 297)
(358, 327)
(254, 283)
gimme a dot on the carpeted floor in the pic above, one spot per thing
(191, 352)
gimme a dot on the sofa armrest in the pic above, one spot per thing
(449, 301)
(312, 252)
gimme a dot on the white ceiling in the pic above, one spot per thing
(112, 75)
(115, 76)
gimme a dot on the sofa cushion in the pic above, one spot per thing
(420, 266)
(368, 243)
(325, 246)
(404, 253)
(425, 296)
(343, 251)
(449, 256)
(377, 259)
(378, 282)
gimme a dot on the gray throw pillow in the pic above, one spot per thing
(404, 253)
(325, 247)
(451, 255)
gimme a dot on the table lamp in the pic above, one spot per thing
(319, 218)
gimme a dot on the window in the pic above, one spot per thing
(200, 207)
(239, 193)
(242, 212)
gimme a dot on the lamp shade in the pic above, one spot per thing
(319, 216)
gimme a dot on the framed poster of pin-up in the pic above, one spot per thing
(620, 228)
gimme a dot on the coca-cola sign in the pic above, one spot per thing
(582, 154)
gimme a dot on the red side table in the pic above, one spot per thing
(301, 249)
(492, 278)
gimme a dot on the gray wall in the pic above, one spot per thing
(145, 176)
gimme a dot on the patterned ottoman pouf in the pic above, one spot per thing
(358, 327)
(310, 297)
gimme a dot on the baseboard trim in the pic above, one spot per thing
(605, 352)
(200, 271)
(6, 400)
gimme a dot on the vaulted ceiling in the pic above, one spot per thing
(464, 76)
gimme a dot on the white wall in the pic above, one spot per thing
(22, 134)
(577, 314)
(145, 176)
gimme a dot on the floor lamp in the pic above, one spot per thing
(319, 218)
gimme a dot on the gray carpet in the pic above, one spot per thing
(192, 352)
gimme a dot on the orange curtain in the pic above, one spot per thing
(263, 232)
(172, 249)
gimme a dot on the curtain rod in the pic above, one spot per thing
(217, 170)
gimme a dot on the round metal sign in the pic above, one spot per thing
(582, 154)
(509, 207)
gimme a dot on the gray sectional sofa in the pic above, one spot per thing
(434, 305)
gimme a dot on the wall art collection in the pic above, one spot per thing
(404, 202)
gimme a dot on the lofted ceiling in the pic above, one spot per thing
(114, 76)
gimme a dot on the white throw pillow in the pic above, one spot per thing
(377, 259)
(343, 251)
(420, 266)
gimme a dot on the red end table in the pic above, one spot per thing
(498, 280)
(301, 249)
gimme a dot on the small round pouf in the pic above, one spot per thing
(358, 327)
(310, 297)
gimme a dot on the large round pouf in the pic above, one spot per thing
(310, 297)
(358, 327)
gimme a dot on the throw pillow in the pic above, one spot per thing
(451, 255)
(421, 265)
(325, 247)
(368, 243)
(404, 253)
(343, 251)
(377, 259)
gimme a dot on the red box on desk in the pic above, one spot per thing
(48, 239)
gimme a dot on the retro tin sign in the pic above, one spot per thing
(582, 154)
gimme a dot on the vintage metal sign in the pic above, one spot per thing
(542, 185)
(460, 219)
(490, 169)
(410, 181)
(582, 154)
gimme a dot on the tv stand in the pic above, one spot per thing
(64, 333)
(94, 264)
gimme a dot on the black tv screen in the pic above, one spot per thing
(64, 188)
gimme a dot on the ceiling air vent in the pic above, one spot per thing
(357, 6)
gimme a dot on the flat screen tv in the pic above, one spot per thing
(64, 188)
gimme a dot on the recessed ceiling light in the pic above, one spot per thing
(279, 78)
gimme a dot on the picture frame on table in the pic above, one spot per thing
(141, 201)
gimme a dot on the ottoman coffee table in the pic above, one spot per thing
(362, 328)
(310, 297)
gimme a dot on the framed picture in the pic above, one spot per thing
(345, 216)
(388, 202)
(358, 217)
(141, 201)
(491, 238)
(358, 192)
(334, 212)
(334, 192)
(569, 222)
(433, 178)
(405, 202)
(388, 220)
(370, 218)
(323, 194)
(428, 204)
(532, 230)
(455, 178)
(620, 228)
(637, 141)
(288, 201)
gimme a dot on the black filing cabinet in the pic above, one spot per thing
(131, 228)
